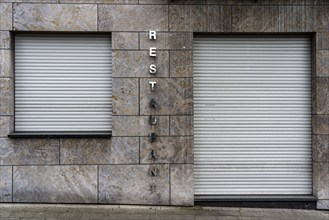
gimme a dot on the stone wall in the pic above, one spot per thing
(116, 170)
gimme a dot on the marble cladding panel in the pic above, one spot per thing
(322, 63)
(116, 150)
(6, 96)
(6, 63)
(167, 41)
(5, 42)
(255, 18)
(55, 17)
(139, 126)
(182, 185)
(167, 150)
(125, 40)
(317, 18)
(292, 18)
(31, 151)
(322, 95)
(6, 16)
(6, 125)
(181, 63)
(320, 147)
(172, 95)
(137, 64)
(200, 18)
(55, 184)
(6, 182)
(321, 180)
(323, 204)
(125, 99)
(131, 184)
(133, 17)
(320, 124)
(322, 41)
(181, 125)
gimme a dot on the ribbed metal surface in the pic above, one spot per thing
(252, 116)
(63, 83)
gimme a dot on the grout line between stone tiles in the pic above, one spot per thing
(97, 19)
(139, 150)
(59, 151)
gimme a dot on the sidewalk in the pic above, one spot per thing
(104, 212)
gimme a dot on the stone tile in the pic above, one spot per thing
(322, 63)
(167, 149)
(317, 18)
(139, 126)
(125, 98)
(134, 18)
(255, 19)
(137, 64)
(320, 147)
(55, 184)
(167, 41)
(6, 96)
(320, 124)
(6, 125)
(259, 2)
(292, 18)
(188, 2)
(218, 19)
(321, 180)
(55, 17)
(173, 96)
(101, 1)
(5, 42)
(6, 16)
(322, 41)
(322, 95)
(179, 17)
(32, 1)
(125, 40)
(116, 150)
(181, 63)
(182, 185)
(153, 2)
(6, 63)
(6, 184)
(181, 125)
(29, 151)
(322, 204)
(131, 184)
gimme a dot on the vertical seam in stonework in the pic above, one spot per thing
(59, 151)
(12, 183)
(97, 187)
(97, 19)
(12, 16)
(139, 150)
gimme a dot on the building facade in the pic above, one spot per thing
(145, 144)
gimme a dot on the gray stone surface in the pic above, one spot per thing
(182, 185)
(322, 95)
(174, 96)
(131, 184)
(115, 150)
(322, 63)
(29, 151)
(55, 17)
(292, 18)
(317, 18)
(60, 184)
(181, 63)
(137, 64)
(323, 204)
(125, 99)
(125, 40)
(167, 149)
(6, 125)
(322, 41)
(181, 125)
(133, 17)
(320, 147)
(6, 63)
(259, 2)
(5, 42)
(5, 184)
(6, 96)
(321, 180)
(320, 124)
(32, 1)
(167, 41)
(255, 19)
(101, 1)
(5, 16)
(139, 126)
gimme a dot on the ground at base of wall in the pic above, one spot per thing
(87, 212)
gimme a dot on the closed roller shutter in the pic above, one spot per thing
(63, 83)
(252, 116)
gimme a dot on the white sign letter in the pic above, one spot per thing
(153, 52)
(152, 85)
(153, 69)
(152, 35)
